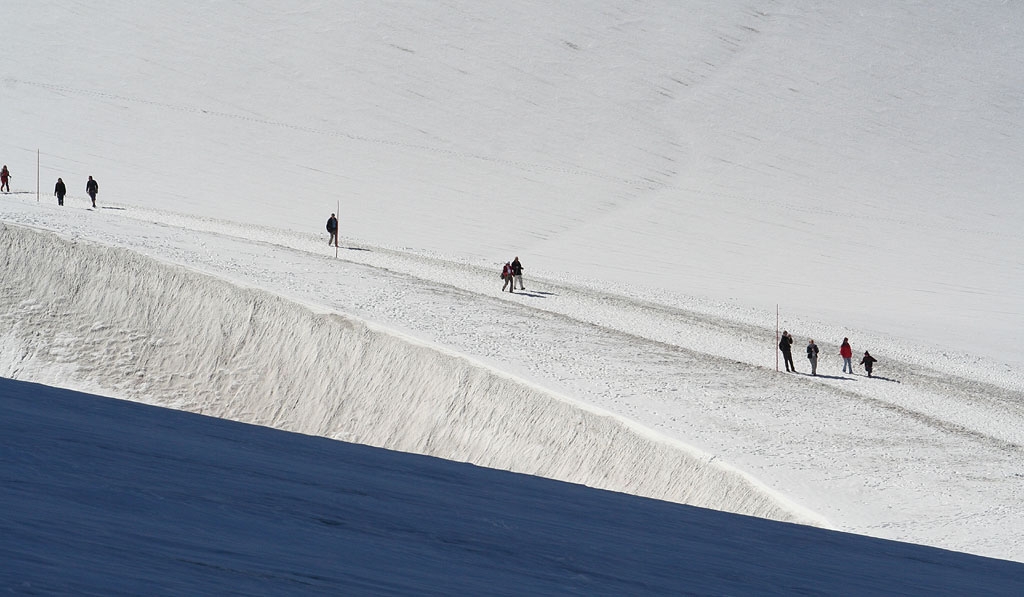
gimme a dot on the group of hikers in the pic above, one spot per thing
(845, 351)
(59, 190)
(512, 275)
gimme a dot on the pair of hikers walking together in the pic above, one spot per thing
(845, 351)
(512, 274)
(60, 190)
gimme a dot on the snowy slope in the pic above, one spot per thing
(108, 497)
(662, 400)
(668, 173)
(855, 162)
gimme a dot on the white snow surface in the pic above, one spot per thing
(667, 172)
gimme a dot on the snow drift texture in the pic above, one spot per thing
(101, 317)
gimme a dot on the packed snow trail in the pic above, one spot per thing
(913, 461)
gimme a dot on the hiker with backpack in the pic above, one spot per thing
(506, 275)
(786, 346)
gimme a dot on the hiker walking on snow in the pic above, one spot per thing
(517, 274)
(506, 275)
(786, 346)
(60, 190)
(847, 353)
(868, 361)
(812, 356)
(332, 227)
(5, 180)
(92, 187)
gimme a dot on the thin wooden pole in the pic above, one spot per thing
(337, 231)
(776, 337)
(37, 176)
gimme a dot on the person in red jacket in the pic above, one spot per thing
(5, 180)
(506, 275)
(847, 353)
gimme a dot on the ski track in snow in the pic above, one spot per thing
(870, 455)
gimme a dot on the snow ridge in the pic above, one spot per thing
(99, 318)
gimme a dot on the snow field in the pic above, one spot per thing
(931, 460)
(668, 172)
(103, 318)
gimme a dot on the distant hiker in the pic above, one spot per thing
(92, 187)
(786, 346)
(506, 275)
(5, 180)
(517, 274)
(868, 361)
(812, 356)
(332, 227)
(60, 190)
(847, 353)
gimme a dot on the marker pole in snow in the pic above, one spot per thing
(776, 337)
(37, 176)
(337, 230)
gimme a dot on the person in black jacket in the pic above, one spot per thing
(332, 227)
(517, 274)
(868, 361)
(92, 187)
(60, 190)
(786, 346)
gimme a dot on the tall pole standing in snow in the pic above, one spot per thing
(776, 337)
(337, 229)
(37, 176)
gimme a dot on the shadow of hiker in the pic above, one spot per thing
(839, 377)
